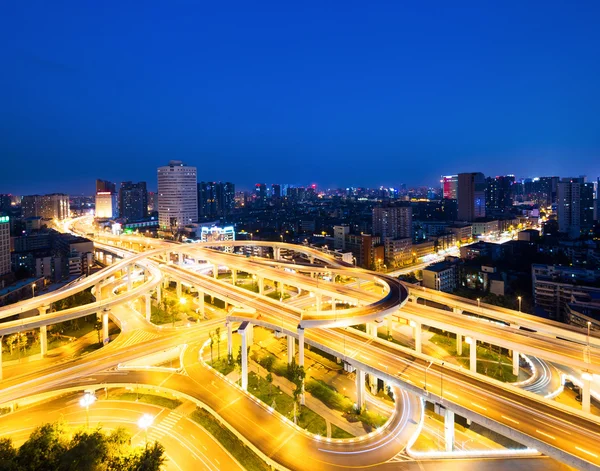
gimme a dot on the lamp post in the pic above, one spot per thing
(478, 302)
(144, 423)
(86, 401)
(589, 325)
(33, 286)
(425, 387)
(520, 299)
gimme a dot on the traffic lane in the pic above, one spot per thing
(542, 421)
(480, 464)
(186, 444)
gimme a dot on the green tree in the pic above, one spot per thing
(8, 455)
(269, 379)
(44, 448)
(218, 337)
(268, 363)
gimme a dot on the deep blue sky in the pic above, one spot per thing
(339, 93)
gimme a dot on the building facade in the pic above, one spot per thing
(177, 195)
(133, 201)
(52, 206)
(450, 187)
(471, 196)
(393, 221)
(575, 206)
(4, 245)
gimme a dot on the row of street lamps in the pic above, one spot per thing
(88, 399)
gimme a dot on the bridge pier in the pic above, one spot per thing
(276, 253)
(586, 379)
(418, 336)
(148, 306)
(281, 288)
(515, 358)
(229, 337)
(301, 357)
(178, 289)
(201, 305)
(319, 298)
(459, 344)
(472, 353)
(371, 329)
(373, 384)
(261, 285)
(291, 347)
(181, 259)
(43, 340)
(233, 276)
(449, 430)
(456, 310)
(1, 339)
(105, 314)
(129, 280)
(243, 333)
(158, 293)
(360, 389)
(333, 303)
(43, 310)
(215, 271)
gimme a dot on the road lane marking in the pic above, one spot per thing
(588, 452)
(545, 434)
(478, 405)
(508, 418)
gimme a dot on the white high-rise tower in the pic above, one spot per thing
(177, 195)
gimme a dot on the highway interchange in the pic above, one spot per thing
(559, 431)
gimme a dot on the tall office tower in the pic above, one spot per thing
(133, 201)
(547, 187)
(177, 195)
(5, 203)
(471, 196)
(53, 206)
(260, 194)
(215, 199)
(597, 202)
(449, 186)
(393, 221)
(575, 206)
(499, 193)
(4, 245)
(106, 200)
(275, 191)
(152, 201)
(105, 186)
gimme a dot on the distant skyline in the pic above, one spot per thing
(338, 93)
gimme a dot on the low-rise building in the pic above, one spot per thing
(442, 276)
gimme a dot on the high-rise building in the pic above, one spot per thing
(215, 199)
(4, 245)
(152, 201)
(450, 187)
(575, 206)
(499, 193)
(106, 200)
(260, 194)
(275, 191)
(105, 186)
(471, 196)
(53, 206)
(177, 195)
(133, 201)
(393, 221)
(5, 203)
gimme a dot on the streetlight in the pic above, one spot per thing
(478, 302)
(33, 286)
(519, 298)
(144, 423)
(589, 325)
(425, 387)
(86, 401)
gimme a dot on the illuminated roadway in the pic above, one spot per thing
(400, 367)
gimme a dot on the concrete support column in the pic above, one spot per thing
(1, 338)
(244, 360)
(449, 430)
(148, 306)
(158, 293)
(229, 338)
(515, 359)
(250, 334)
(333, 303)
(360, 389)
(261, 285)
(319, 298)
(459, 344)
(201, 302)
(291, 347)
(43, 310)
(233, 276)
(473, 355)
(129, 280)
(418, 337)
(178, 288)
(301, 357)
(98, 292)
(181, 259)
(276, 253)
(105, 325)
(390, 324)
(281, 288)
(456, 310)
(373, 384)
(215, 271)
(586, 379)
(43, 340)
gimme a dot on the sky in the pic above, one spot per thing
(335, 93)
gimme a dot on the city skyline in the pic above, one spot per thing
(319, 94)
